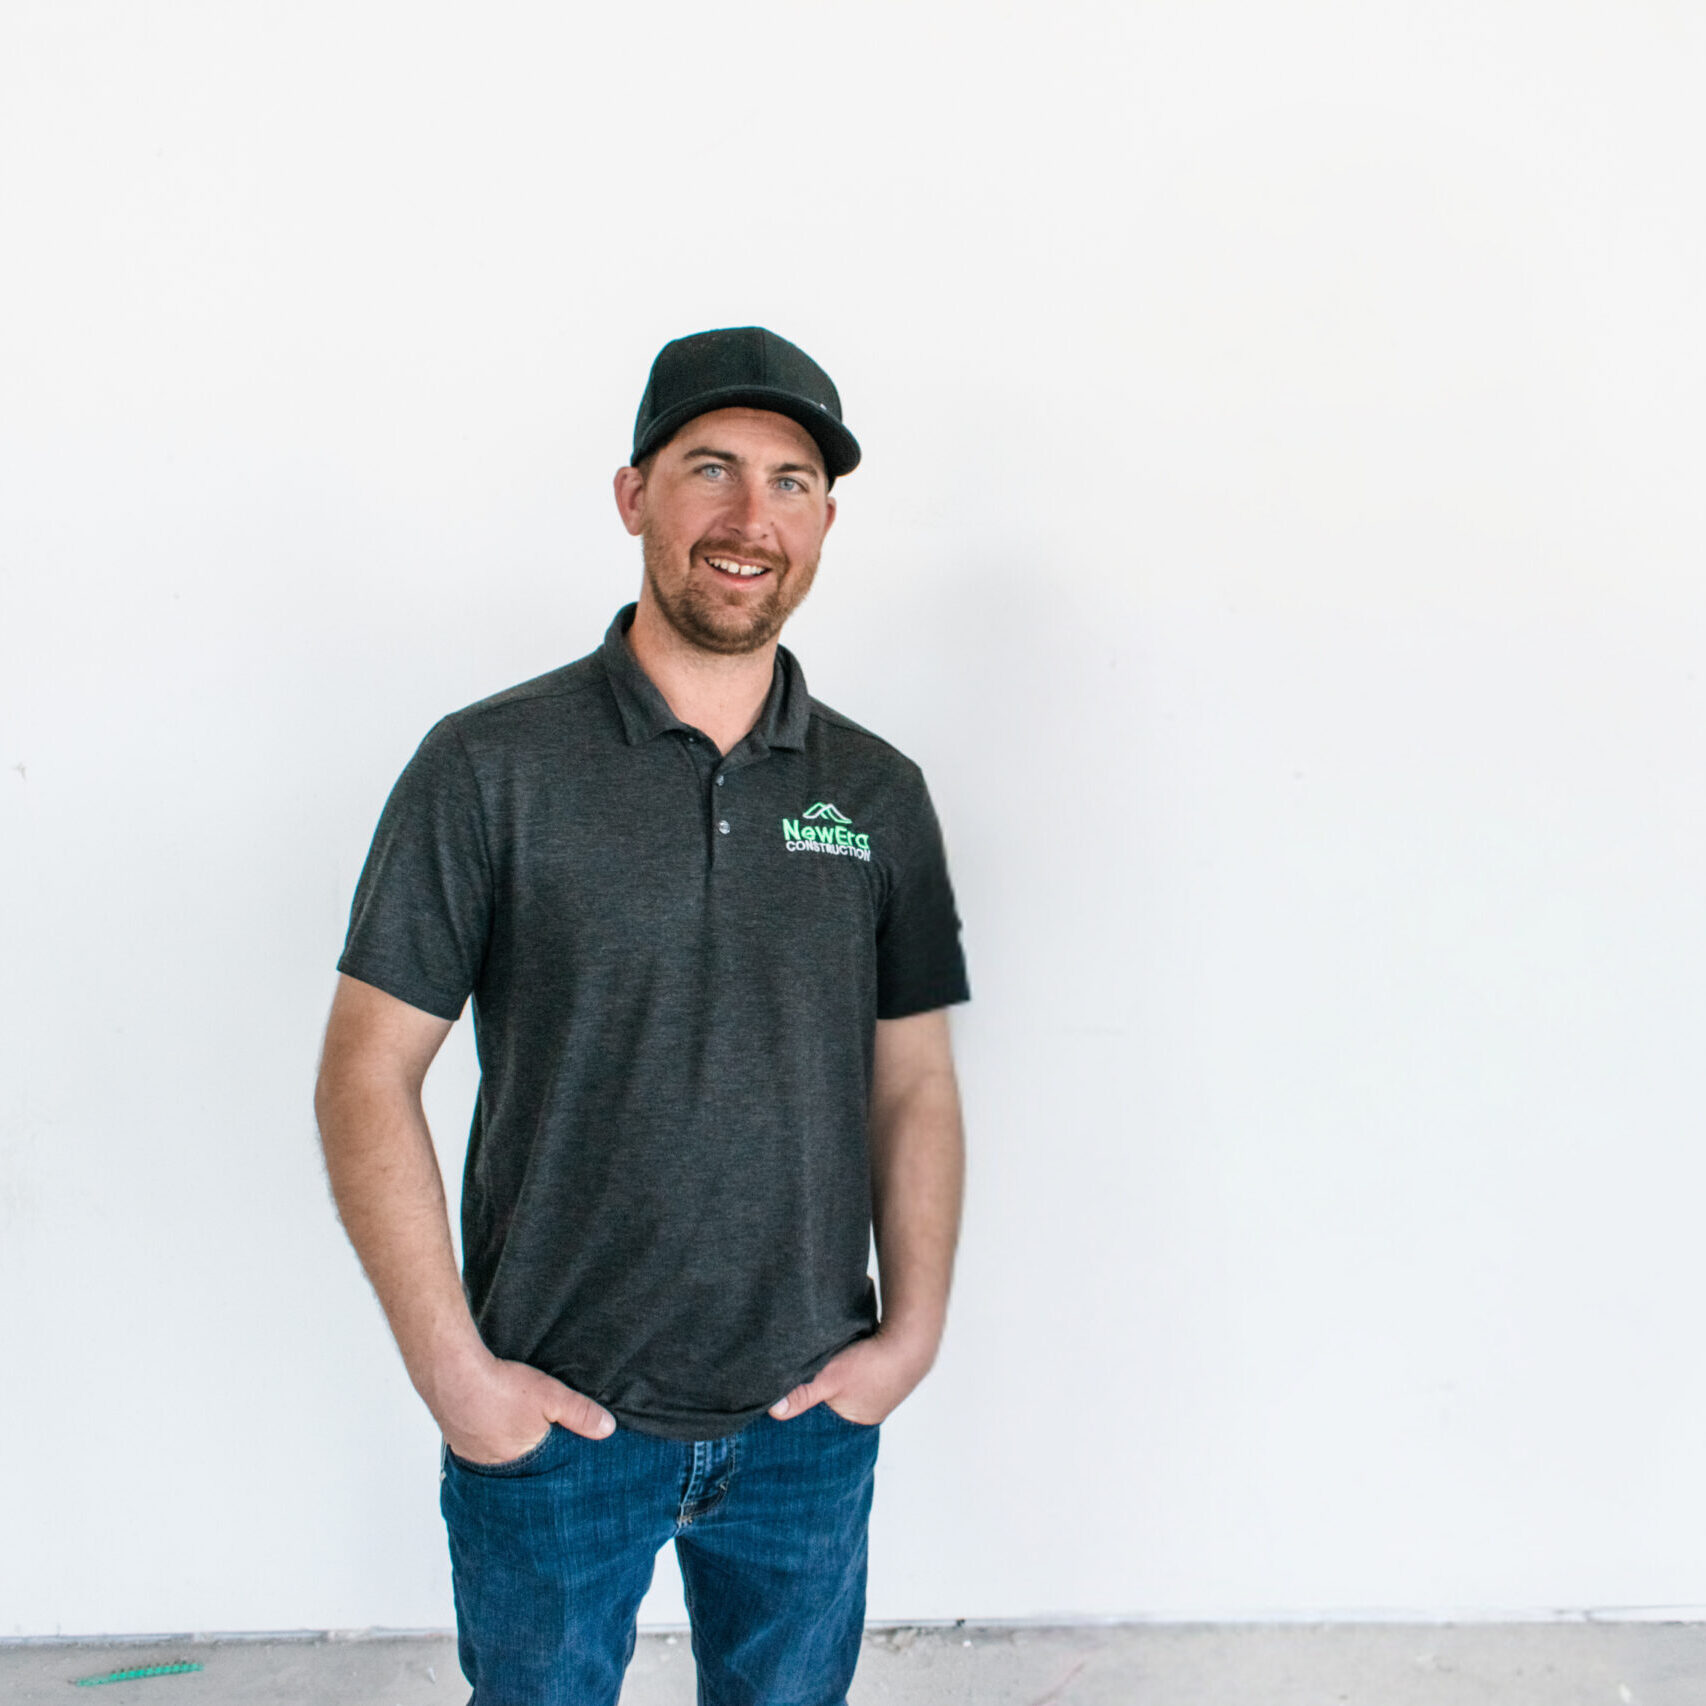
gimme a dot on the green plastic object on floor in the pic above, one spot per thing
(132, 1674)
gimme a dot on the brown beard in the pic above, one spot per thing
(693, 609)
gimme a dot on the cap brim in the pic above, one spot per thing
(839, 448)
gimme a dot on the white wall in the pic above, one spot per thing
(1280, 540)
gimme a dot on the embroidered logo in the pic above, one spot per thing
(820, 828)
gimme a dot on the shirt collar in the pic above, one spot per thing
(645, 714)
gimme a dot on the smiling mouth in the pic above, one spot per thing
(735, 569)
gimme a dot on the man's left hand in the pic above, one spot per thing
(863, 1383)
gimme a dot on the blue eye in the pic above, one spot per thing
(790, 483)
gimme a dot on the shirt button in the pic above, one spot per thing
(723, 827)
(721, 780)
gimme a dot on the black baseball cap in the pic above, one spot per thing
(742, 365)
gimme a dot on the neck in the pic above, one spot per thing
(720, 694)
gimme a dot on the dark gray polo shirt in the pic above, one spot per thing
(677, 961)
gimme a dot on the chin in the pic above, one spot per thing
(731, 639)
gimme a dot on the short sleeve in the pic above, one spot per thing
(920, 965)
(422, 912)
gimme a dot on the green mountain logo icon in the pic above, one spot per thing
(823, 810)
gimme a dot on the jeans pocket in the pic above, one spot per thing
(528, 1463)
(847, 1421)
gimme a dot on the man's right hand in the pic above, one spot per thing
(497, 1411)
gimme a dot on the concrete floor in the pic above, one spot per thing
(1533, 1664)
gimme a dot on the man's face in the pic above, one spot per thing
(731, 514)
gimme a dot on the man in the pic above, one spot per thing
(708, 932)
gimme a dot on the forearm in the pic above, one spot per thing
(385, 1180)
(917, 1181)
(384, 1176)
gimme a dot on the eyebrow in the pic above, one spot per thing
(730, 456)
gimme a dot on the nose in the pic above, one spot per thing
(748, 509)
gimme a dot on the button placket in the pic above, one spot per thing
(706, 760)
(722, 823)
(716, 805)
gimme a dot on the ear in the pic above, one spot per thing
(828, 511)
(630, 486)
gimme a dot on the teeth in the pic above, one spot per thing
(746, 570)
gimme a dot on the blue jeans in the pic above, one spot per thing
(551, 1554)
